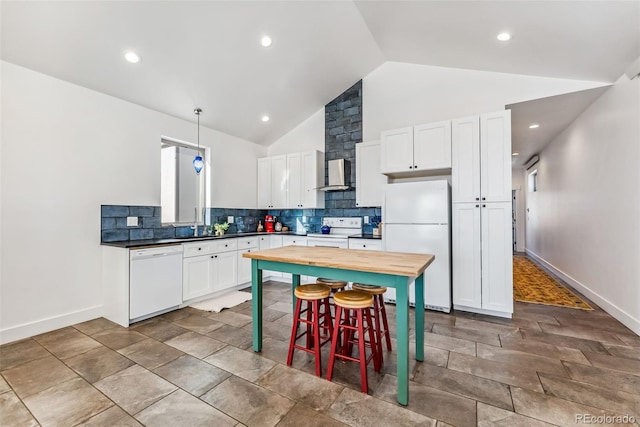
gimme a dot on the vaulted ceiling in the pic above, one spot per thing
(208, 53)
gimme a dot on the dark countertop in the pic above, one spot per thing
(131, 244)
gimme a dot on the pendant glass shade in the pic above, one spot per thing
(198, 163)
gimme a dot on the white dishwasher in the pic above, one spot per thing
(155, 280)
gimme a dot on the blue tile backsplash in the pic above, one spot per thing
(114, 221)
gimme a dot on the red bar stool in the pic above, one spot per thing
(334, 285)
(353, 316)
(314, 295)
(380, 322)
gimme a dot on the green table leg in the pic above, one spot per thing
(420, 318)
(256, 304)
(295, 282)
(402, 332)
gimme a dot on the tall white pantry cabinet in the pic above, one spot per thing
(481, 214)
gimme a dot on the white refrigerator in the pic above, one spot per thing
(416, 218)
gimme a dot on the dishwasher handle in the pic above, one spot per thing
(155, 252)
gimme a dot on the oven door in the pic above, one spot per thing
(328, 242)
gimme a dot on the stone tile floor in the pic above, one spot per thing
(546, 366)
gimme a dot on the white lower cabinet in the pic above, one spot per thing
(482, 258)
(246, 244)
(366, 244)
(209, 266)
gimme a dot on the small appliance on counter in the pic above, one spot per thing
(269, 222)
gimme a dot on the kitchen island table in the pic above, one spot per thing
(390, 269)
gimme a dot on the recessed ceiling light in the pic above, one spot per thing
(132, 57)
(534, 126)
(503, 37)
(515, 154)
(265, 118)
(265, 41)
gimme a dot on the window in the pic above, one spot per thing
(182, 190)
(533, 181)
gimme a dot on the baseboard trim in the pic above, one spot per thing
(622, 316)
(30, 329)
(483, 311)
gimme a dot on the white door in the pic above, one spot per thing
(197, 276)
(279, 181)
(497, 257)
(244, 267)
(495, 164)
(466, 254)
(432, 146)
(424, 202)
(225, 270)
(294, 180)
(425, 239)
(396, 154)
(312, 178)
(465, 159)
(264, 183)
(369, 180)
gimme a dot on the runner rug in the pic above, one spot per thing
(533, 284)
(228, 300)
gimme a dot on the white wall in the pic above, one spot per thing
(308, 135)
(65, 151)
(397, 94)
(584, 220)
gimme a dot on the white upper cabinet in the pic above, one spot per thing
(432, 146)
(369, 180)
(481, 158)
(416, 149)
(291, 181)
(495, 156)
(465, 162)
(396, 153)
(305, 174)
(272, 182)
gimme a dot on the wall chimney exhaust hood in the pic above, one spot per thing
(337, 175)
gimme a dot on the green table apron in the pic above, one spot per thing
(400, 283)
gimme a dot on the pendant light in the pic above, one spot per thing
(198, 163)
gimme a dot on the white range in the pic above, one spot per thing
(338, 236)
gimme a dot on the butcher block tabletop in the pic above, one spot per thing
(396, 263)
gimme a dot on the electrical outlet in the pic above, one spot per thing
(366, 219)
(132, 221)
(230, 219)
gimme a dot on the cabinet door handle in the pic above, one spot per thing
(484, 206)
(477, 198)
(415, 166)
(226, 246)
(216, 256)
(410, 167)
(477, 206)
(211, 256)
(199, 249)
(364, 246)
(484, 198)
